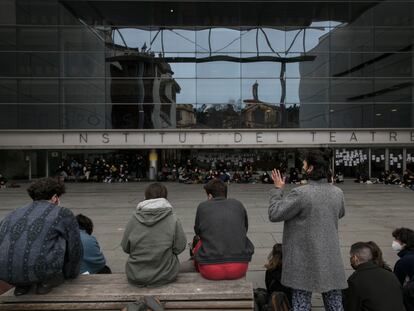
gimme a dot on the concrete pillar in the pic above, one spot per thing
(153, 165)
(387, 159)
(404, 165)
(47, 163)
(369, 163)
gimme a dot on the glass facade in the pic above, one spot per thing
(152, 64)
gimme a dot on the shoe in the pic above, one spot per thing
(47, 286)
(21, 290)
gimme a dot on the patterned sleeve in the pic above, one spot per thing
(74, 251)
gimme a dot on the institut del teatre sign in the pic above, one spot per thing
(93, 139)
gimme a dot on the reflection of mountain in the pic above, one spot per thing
(143, 91)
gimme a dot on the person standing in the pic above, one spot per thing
(312, 258)
(40, 242)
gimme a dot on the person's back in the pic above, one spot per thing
(222, 226)
(370, 287)
(153, 238)
(40, 242)
(93, 261)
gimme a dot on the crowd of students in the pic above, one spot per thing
(43, 244)
(389, 178)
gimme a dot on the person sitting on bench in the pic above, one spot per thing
(40, 242)
(153, 238)
(93, 261)
(223, 251)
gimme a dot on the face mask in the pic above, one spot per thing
(396, 246)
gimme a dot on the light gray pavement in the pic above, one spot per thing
(372, 212)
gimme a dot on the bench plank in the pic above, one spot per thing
(110, 292)
(169, 305)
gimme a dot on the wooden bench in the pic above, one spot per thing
(112, 292)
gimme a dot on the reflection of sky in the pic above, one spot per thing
(223, 82)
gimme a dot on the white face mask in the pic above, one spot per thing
(396, 246)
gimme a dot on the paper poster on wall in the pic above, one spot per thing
(399, 165)
(382, 157)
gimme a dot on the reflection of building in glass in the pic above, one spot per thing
(143, 92)
(258, 114)
(186, 116)
(366, 78)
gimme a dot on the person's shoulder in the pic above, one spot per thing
(65, 212)
(337, 189)
(234, 202)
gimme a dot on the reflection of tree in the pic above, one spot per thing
(218, 116)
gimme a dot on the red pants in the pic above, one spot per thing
(222, 271)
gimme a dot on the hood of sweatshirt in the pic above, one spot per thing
(150, 212)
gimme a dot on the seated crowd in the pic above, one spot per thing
(43, 244)
(389, 178)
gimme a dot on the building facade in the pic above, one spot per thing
(89, 77)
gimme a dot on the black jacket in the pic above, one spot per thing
(222, 226)
(371, 288)
(404, 268)
(273, 284)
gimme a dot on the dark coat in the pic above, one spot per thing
(371, 288)
(37, 241)
(222, 227)
(404, 267)
(273, 283)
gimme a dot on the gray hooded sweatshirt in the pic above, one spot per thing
(153, 238)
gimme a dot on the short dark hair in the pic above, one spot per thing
(404, 235)
(85, 223)
(362, 250)
(216, 188)
(155, 191)
(320, 161)
(45, 189)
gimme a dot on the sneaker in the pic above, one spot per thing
(21, 290)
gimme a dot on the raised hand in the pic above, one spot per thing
(278, 180)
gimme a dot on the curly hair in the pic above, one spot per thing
(320, 160)
(45, 189)
(85, 223)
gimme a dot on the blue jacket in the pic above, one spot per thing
(93, 260)
(404, 267)
(39, 240)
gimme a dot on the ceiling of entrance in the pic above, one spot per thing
(215, 14)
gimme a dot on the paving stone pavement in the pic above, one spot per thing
(372, 212)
